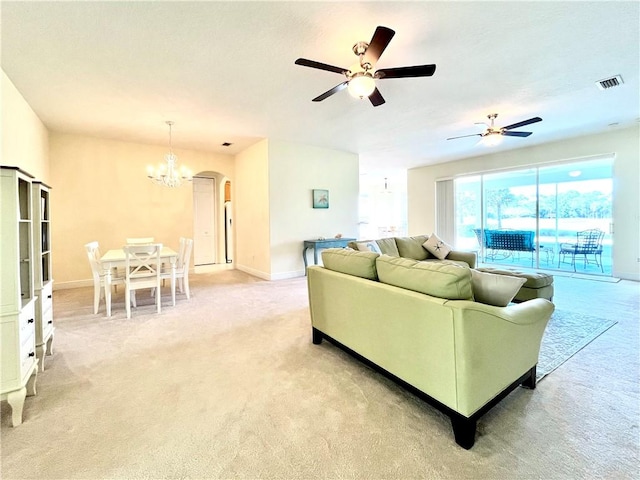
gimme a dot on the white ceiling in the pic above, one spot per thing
(224, 72)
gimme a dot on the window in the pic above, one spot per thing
(554, 202)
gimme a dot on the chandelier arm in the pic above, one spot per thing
(169, 175)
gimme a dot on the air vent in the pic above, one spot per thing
(608, 83)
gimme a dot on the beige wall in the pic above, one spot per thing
(251, 210)
(624, 143)
(25, 140)
(101, 193)
(294, 171)
(273, 209)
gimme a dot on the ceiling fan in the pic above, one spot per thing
(360, 76)
(506, 131)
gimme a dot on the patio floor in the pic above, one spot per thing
(548, 259)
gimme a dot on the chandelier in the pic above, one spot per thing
(169, 175)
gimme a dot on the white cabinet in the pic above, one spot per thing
(18, 365)
(43, 282)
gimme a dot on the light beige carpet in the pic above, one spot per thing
(228, 385)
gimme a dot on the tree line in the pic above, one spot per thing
(502, 203)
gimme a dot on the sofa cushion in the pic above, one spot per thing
(351, 262)
(437, 247)
(368, 246)
(533, 279)
(411, 247)
(388, 246)
(494, 289)
(441, 279)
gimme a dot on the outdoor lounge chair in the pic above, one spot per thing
(588, 242)
(502, 244)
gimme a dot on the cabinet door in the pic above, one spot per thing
(16, 274)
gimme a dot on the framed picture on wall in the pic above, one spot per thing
(320, 198)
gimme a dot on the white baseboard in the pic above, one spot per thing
(72, 284)
(217, 267)
(254, 272)
(286, 275)
(214, 267)
(270, 276)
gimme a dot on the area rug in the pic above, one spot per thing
(567, 333)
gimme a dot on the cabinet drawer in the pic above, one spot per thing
(27, 355)
(47, 322)
(27, 321)
(47, 296)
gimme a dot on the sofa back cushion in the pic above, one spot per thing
(351, 262)
(441, 279)
(411, 247)
(368, 246)
(388, 246)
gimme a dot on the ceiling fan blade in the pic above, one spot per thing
(516, 134)
(328, 93)
(463, 136)
(405, 72)
(381, 38)
(376, 98)
(320, 66)
(523, 123)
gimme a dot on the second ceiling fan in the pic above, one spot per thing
(506, 131)
(360, 77)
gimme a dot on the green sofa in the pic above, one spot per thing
(417, 323)
(411, 247)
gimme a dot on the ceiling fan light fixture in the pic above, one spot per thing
(361, 85)
(491, 139)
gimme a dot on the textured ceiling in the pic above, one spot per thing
(224, 72)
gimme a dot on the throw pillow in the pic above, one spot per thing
(493, 289)
(370, 246)
(437, 247)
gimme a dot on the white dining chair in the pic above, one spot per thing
(140, 241)
(142, 270)
(182, 269)
(99, 284)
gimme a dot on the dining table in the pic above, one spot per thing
(117, 258)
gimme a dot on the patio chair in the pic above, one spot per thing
(588, 242)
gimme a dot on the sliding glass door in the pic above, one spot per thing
(577, 198)
(539, 217)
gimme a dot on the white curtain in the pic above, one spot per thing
(445, 211)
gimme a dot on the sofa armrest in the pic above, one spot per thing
(494, 347)
(460, 256)
(525, 313)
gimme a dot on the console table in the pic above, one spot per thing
(319, 244)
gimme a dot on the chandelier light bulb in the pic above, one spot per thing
(361, 85)
(168, 174)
